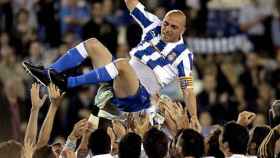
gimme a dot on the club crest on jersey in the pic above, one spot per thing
(172, 56)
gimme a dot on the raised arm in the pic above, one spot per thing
(184, 64)
(56, 100)
(131, 4)
(144, 18)
(83, 149)
(37, 103)
(190, 100)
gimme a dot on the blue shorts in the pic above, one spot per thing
(134, 103)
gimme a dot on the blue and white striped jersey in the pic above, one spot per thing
(167, 60)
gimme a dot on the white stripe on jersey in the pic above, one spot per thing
(150, 27)
(151, 18)
(155, 56)
(184, 58)
(169, 48)
(181, 57)
(139, 47)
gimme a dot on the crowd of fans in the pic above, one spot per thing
(229, 82)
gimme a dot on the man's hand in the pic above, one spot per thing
(36, 101)
(83, 149)
(69, 154)
(175, 115)
(79, 129)
(55, 96)
(116, 132)
(118, 129)
(195, 124)
(170, 123)
(112, 135)
(113, 140)
(28, 149)
(142, 124)
(181, 118)
(245, 118)
(131, 4)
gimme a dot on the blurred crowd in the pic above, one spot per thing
(231, 74)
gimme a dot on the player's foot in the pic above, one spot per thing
(37, 72)
(104, 94)
(59, 79)
(109, 116)
(103, 101)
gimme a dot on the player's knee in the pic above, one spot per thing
(92, 43)
(122, 64)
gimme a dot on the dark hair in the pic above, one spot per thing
(130, 146)
(237, 137)
(155, 143)
(96, 2)
(274, 113)
(257, 136)
(100, 142)
(192, 143)
(44, 152)
(10, 149)
(214, 145)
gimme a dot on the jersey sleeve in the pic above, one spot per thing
(144, 18)
(184, 67)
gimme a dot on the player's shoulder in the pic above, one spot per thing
(180, 48)
(154, 28)
(151, 32)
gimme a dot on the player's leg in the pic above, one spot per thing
(126, 83)
(126, 87)
(125, 80)
(92, 48)
(98, 53)
(126, 90)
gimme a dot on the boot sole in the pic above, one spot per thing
(109, 116)
(31, 74)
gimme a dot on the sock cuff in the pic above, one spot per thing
(112, 70)
(82, 50)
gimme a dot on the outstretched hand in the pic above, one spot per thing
(79, 129)
(36, 101)
(55, 96)
(245, 118)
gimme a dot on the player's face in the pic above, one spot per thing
(172, 28)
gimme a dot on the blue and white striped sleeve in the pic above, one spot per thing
(184, 67)
(144, 18)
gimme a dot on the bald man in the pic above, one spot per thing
(160, 58)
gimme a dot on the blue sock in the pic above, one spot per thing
(72, 58)
(102, 74)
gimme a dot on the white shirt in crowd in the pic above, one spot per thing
(241, 156)
(103, 156)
